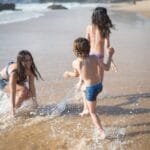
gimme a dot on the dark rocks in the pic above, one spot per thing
(55, 6)
(7, 6)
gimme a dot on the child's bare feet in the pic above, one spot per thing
(102, 134)
(84, 112)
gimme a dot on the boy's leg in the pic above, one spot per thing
(92, 110)
(81, 87)
(85, 107)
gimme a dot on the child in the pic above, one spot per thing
(98, 33)
(89, 68)
(14, 76)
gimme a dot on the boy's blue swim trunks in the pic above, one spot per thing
(92, 91)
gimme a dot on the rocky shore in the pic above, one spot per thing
(7, 6)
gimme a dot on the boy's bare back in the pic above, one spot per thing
(88, 69)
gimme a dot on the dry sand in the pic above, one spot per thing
(142, 7)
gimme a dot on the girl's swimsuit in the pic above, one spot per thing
(100, 56)
(4, 82)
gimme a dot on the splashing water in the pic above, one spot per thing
(4, 103)
(26, 110)
(63, 104)
(54, 111)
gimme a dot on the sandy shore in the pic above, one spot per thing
(142, 7)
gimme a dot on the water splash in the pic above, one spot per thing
(73, 95)
(4, 103)
(63, 104)
(116, 135)
(54, 111)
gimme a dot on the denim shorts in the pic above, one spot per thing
(92, 91)
(3, 83)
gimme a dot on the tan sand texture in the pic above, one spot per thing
(142, 7)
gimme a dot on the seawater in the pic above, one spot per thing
(35, 10)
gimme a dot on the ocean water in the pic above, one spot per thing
(34, 10)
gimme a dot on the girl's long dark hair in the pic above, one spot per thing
(20, 68)
(102, 21)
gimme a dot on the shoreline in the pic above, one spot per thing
(142, 7)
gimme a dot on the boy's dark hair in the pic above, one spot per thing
(81, 47)
(102, 21)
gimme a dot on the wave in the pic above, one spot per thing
(17, 16)
(35, 10)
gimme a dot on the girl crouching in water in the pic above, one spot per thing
(17, 79)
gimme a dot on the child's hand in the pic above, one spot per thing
(114, 67)
(111, 51)
(66, 74)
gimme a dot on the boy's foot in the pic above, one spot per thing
(102, 135)
(83, 113)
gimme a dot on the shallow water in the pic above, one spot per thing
(123, 106)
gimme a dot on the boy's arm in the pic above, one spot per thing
(69, 74)
(73, 73)
(107, 65)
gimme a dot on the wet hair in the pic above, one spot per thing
(81, 47)
(20, 68)
(102, 21)
(102, 9)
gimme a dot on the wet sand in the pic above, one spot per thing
(124, 107)
(142, 7)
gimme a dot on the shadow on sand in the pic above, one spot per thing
(132, 98)
(73, 109)
(64, 108)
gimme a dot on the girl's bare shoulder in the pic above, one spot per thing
(12, 67)
(89, 27)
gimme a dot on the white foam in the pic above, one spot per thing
(17, 16)
(36, 7)
(5, 104)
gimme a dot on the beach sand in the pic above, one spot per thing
(142, 7)
(124, 105)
